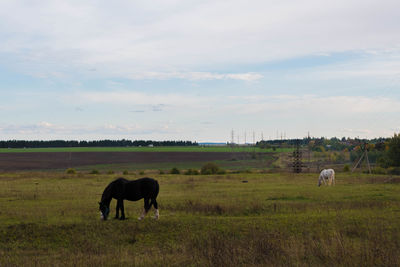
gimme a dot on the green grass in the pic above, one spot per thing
(262, 162)
(145, 149)
(50, 218)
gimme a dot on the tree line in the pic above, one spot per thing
(322, 144)
(96, 143)
(385, 152)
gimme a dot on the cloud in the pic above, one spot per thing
(171, 39)
(313, 104)
(196, 76)
(381, 65)
(157, 102)
(51, 131)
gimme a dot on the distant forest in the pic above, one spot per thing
(99, 143)
(322, 144)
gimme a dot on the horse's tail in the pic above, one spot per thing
(157, 189)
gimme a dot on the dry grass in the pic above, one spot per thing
(51, 219)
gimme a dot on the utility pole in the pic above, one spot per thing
(364, 147)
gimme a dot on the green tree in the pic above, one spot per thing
(394, 150)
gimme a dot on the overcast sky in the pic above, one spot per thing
(196, 70)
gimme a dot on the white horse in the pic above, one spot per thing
(326, 175)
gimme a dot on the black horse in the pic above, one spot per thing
(121, 189)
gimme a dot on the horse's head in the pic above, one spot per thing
(104, 210)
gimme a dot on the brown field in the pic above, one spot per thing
(62, 160)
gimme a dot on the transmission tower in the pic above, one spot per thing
(297, 158)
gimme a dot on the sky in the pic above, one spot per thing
(199, 70)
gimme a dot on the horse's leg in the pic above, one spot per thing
(121, 206)
(146, 209)
(155, 205)
(117, 210)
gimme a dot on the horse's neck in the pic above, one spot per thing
(106, 197)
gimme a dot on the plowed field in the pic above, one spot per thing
(59, 160)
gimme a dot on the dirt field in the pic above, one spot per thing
(60, 160)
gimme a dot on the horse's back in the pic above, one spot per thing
(330, 172)
(327, 172)
(141, 188)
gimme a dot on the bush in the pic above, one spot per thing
(125, 172)
(71, 171)
(379, 170)
(210, 168)
(110, 172)
(174, 170)
(141, 172)
(192, 172)
(221, 171)
(394, 171)
(94, 172)
(383, 162)
(346, 168)
(161, 171)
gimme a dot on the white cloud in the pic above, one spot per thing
(130, 39)
(52, 131)
(312, 104)
(195, 76)
(213, 118)
(140, 98)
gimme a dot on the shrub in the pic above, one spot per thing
(125, 172)
(110, 172)
(221, 171)
(209, 168)
(174, 170)
(192, 172)
(94, 172)
(71, 171)
(383, 162)
(141, 172)
(161, 171)
(346, 168)
(394, 170)
(379, 170)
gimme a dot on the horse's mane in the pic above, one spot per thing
(106, 196)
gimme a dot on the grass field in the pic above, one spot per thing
(258, 164)
(52, 219)
(146, 149)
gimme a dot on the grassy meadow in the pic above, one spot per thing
(243, 219)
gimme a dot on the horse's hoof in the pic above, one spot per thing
(122, 218)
